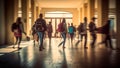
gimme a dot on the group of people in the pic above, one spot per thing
(82, 31)
(40, 27)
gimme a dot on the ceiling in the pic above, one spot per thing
(60, 3)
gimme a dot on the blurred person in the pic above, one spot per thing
(40, 26)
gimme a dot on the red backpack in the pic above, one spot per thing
(60, 27)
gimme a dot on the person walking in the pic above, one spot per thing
(49, 31)
(17, 29)
(106, 31)
(71, 30)
(92, 29)
(62, 28)
(82, 29)
(40, 27)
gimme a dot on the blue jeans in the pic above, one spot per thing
(41, 36)
(64, 39)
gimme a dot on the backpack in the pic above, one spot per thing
(92, 27)
(39, 26)
(13, 27)
(81, 28)
(33, 29)
(61, 27)
(71, 29)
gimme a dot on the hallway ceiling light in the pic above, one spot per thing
(60, 3)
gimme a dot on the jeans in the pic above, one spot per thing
(41, 36)
(64, 39)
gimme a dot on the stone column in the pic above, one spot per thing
(103, 8)
(11, 7)
(2, 22)
(85, 10)
(118, 23)
(15, 9)
(37, 11)
(25, 16)
(33, 10)
(102, 11)
(80, 15)
(91, 9)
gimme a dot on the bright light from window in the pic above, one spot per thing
(57, 14)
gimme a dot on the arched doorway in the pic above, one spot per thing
(56, 17)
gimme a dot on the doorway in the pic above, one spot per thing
(56, 17)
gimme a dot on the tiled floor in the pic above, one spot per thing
(8, 48)
(57, 57)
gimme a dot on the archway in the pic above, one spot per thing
(56, 17)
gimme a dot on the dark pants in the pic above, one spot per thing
(49, 36)
(85, 37)
(108, 39)
(94, 39)
(18, 40)
(71, 36)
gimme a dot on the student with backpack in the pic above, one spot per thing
(34, 34)
(17, 29)
(92, 29)
(71, 30)
(40, 27)
(62, 28)
(82, 29)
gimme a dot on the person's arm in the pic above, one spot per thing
(45, 26)
(52, 28)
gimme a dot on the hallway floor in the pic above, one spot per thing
(56, 57)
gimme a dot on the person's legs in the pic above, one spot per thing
(16, 41)
(71, 35)
(94, 40)
(106, 41)
(110, 42)
(33, 39)
(40, 40)
(85, 43)
(81, 37)
(20, 39)
(43, 36)
(49, 36)
(64, 39)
